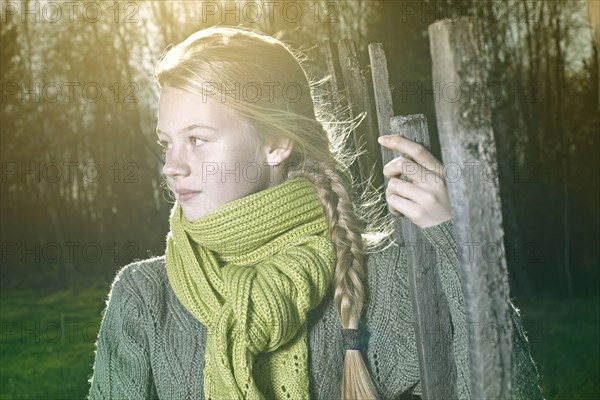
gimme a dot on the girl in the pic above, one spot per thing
(263, 292)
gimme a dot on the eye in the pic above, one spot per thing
(196, 141)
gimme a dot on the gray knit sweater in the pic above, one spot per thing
(150, 346)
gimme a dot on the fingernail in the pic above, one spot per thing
(382, 139)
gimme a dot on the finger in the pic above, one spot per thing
(412, 149)
(397, 204)
(408, 190)
(402, 166)
(408, 170)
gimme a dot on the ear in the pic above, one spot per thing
(277, 150)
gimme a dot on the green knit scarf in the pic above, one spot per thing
(250, 271)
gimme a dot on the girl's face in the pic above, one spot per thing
(212, 156)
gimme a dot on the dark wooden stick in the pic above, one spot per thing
(431, 313)
(382, 92)
(365, 138)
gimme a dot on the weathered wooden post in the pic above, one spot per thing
(365, 135)
(335, 84)
(467, 140)
(383, 95)
(337, 96)
(431, 314)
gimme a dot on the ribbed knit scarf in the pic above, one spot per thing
(250, 271)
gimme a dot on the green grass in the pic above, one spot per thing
(38, 361)
(47, 343)
(565, 343)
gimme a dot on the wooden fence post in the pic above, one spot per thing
(335, 84)
(383, 95)
(466, 138)
(338, 97)
(365, 134)
(431, 313)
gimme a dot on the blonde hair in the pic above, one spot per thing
(263, 79)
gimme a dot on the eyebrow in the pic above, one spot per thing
(187, 129)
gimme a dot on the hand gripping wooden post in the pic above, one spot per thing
(431, 313)
(467, 142)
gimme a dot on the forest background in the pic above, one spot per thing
(82, 192)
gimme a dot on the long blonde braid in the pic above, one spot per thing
(349, 291)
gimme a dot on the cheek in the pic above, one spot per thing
(232, 168)
(241, 158)
(223, 171)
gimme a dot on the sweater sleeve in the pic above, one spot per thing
(122, 363)
(441, 236)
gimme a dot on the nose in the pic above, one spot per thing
(176, 162)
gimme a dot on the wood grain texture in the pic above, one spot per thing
(382, 93)
(431, 313)
(467, 142)
(365, 138)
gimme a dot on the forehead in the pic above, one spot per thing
(178, 109)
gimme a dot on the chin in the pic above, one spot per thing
(193, 215)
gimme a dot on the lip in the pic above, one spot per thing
(186, 194)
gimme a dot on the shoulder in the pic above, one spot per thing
(142, 270)
(140, 273)
(141, 279)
